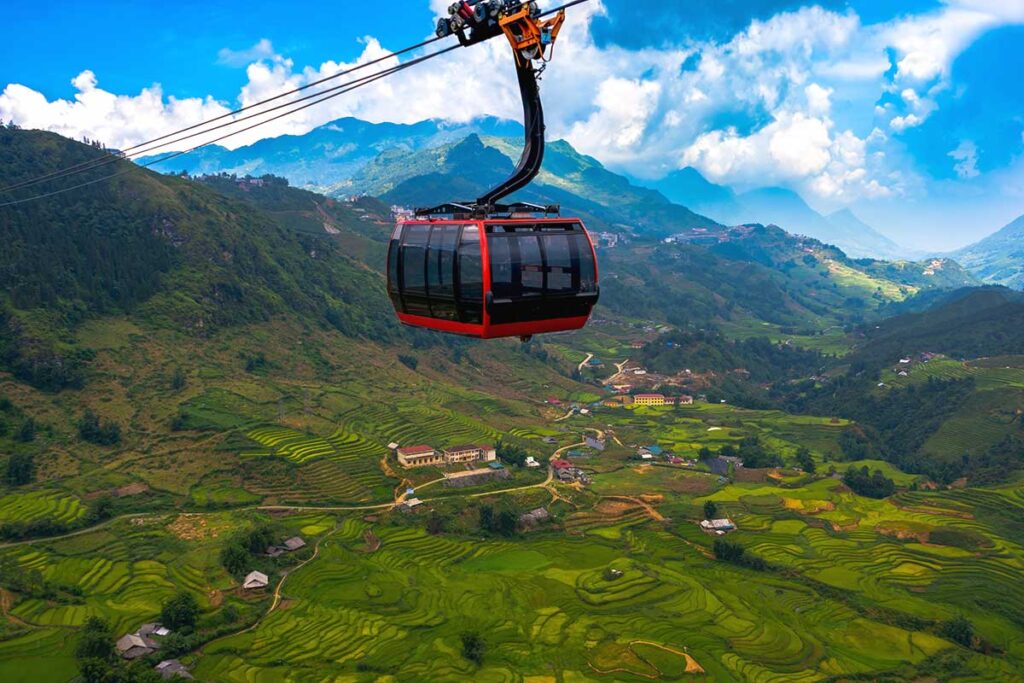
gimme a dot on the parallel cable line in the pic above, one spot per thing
(365, 81)
(318, 97)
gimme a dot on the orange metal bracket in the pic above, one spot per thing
(526, 34)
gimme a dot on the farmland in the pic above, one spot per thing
(860, 587)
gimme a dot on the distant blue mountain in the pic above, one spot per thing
(780, 206)
(326, 157)
(999, 258)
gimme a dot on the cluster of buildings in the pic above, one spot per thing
(428, 456)
(289, 546)
(566, 472)
(145, 642)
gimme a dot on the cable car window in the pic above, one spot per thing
(588, 268)
(414, 271)
(502, 284)
(471, 277)
(441, 271)
(393, 250)
(558, 250)
(531, 265)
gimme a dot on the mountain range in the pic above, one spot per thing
(782, 207)
(352, 157)
(999, 258)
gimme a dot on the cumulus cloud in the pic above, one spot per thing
(263, 49)
(781, 101)
(966, 156)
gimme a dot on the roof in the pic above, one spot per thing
(416, 450)
(412, 502)
(655, 450)
(661, 396)
(466, 447)
(170, 668)
(561, 464)
(132, 640)
(295, 543)
(496, 466)
(256, 579)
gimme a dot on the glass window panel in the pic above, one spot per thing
(559, 259)
(588, 268)
(502, 284)
(441, 270)
(471, 277)
(414, 271)
(531, 265)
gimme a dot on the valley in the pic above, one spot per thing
(162, 426)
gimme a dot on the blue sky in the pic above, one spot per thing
(909, 112)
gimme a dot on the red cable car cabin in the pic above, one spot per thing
(494, 277)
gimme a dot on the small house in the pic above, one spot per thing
(561, 464)
(410, 504)
(532, 462)
(133, 646)
(172, 668)
(294, 543)
(534, 518)
(256, 581)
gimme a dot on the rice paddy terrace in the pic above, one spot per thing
(621, 585)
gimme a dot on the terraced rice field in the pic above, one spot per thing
(341, 467)
(35, 505)
(546, 606)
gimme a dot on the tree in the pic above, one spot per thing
(510, 453)
(487, 518)
(436, 524)
(960, 631)
(805, 460)
(21, 469)
(869, 485)
(505, 524)
(473, 648)
(234, 558)
(178, 379)
(27, 433)
(180, 612)
(107, 433)
(710, 509)
(96, 641)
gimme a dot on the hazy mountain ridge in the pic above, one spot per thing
(999, 258)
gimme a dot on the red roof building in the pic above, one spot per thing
(561, 464)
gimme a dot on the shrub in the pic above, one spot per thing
(734, 553)
(21, 469)
(959, 630)
(106, 433)
(473, 648)
(863, 483)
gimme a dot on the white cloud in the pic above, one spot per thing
(966, 156)
(902, 123)
(263, 49)
(780, 102)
